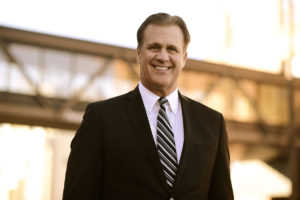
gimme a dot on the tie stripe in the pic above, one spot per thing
(166, 144)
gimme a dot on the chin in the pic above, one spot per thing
(161, 85)
(164, 87)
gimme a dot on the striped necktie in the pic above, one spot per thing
(166, 144)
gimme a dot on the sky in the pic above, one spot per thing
(111, 21)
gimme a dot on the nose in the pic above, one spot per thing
(162, 55)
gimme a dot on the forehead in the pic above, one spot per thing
(163, 34)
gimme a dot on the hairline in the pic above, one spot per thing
(165, 20)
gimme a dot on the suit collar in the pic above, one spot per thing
(187, 124)
(137, 115)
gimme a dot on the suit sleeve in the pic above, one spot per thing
(221, 187)
(84, 167)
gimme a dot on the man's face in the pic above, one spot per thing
(161, 57)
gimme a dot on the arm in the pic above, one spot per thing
(220, 187)
(84, 168)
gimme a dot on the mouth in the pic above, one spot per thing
(160, 67)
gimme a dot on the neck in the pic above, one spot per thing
(158, 89)
(161, 92)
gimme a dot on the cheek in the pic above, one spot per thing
(178, 62)
(144, 67)
(181, 62)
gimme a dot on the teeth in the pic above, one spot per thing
(161, 68)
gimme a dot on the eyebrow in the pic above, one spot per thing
(172, 46)
(158, 44)
(153, 44)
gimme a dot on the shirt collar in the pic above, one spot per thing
(150, 99)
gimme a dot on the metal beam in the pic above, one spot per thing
(76, 96)
(21, 109)
(263, 126)
(43, 102)
(250, 133)
(34, 116)
(212, 86)
(11, 35)
(62, 43)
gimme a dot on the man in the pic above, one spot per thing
(152, 143)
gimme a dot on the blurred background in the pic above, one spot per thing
(57, 56)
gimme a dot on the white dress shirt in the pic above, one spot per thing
(174, 112)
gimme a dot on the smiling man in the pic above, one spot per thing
(152, 143)
(162, 55)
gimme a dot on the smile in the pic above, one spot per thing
(160, 68)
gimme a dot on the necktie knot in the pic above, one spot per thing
(162, 100)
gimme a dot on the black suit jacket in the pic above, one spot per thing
(114, 157)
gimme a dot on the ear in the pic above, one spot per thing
(138, 53)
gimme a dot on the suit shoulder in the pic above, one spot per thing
(110, 103)
(107, 102)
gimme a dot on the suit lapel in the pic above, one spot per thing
(187, 124)
(137, 114)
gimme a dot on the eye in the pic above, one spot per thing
(154, 47)
(172, 49)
